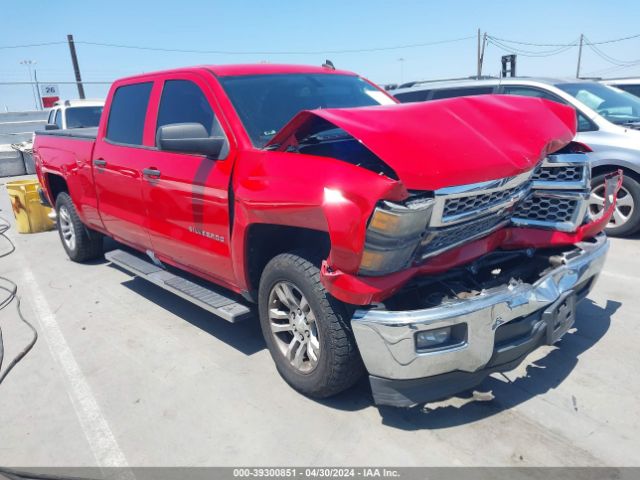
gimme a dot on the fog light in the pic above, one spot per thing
(433, 338)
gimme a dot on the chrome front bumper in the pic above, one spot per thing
(386, 339)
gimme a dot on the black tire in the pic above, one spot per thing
(88, 243)
(339, 365)
(631, 187)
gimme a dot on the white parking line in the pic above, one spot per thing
(101, 440)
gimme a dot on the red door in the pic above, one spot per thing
(118, 159)
(187, 195)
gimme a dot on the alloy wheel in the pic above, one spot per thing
(293, 326)
(66, 228)
(624, 206)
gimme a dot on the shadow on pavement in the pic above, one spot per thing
(245, 336)
(592, 323)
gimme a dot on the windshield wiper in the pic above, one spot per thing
(320, 137)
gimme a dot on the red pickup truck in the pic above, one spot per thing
(429, 244)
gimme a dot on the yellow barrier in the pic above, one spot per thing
(31, 216)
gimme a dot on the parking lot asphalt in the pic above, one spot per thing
(126, 374)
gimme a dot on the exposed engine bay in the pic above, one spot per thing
(500, 268)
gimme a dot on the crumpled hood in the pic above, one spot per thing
(451, 142)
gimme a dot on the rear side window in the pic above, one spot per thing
(127, 113)
(632, 89)
(82, 117)
(532, 92)
(184, 102)
(461, 92)
(415, 96)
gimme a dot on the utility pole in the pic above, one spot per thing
(481, 46)
(28, 64)
(76, 67)
(579, 55)
(35, 77)
(479, 69)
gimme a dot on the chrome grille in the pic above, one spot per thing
(438, 240)
(569, 173)
(566, 172)
(465, 202)
(460, 205)
(553, 196)
(547, 209)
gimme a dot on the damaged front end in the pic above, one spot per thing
(444, 334)
(484, 257)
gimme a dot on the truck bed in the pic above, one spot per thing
(88, 133)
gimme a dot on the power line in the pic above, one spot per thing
(530, 53)
(31, 45)
(531, 43)
(608, 70)
(617, 39)
(504, 40)
(274, 52)
(607, 57)
(310, 52)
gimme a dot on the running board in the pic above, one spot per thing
(211, 300)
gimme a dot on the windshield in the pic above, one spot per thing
(81, 117)
(265, 103)
(615, 105)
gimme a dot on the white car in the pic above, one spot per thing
(608, 126)
(74, 114)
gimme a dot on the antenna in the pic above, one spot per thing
(328, 64)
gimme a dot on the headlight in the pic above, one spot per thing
(393, 234)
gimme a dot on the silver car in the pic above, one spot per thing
(608, 124)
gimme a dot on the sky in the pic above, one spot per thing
(306, 26)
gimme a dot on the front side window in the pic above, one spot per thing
(265, 103)
(83, 117)
(128, 112)
(583, 123)
(617, 106)
(184, 102)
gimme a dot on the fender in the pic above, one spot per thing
(275, 188)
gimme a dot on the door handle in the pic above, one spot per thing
(151, 172)
(99, 162)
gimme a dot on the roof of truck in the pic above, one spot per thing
(269, 68)
(250, 69)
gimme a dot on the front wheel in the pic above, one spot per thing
(626, 216)
(307, 331)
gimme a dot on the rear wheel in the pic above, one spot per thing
(307, 331)
(626, 216)
(80, 243)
